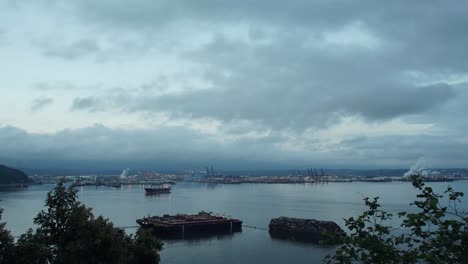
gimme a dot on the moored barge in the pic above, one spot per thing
(159, 190)
(182, 225)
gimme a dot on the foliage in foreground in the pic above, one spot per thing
(435, 233)
(68, 232)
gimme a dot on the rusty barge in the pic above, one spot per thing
(182, 225)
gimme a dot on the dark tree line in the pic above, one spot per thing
(12, 176)
(68, 232)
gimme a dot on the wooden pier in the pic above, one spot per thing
(183, 225)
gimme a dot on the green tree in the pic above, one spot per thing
(435, 233)
(29, 249)
(6, 241)
(68, 232)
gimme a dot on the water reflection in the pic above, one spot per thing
(201, 237)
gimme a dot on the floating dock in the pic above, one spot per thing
(182, 225)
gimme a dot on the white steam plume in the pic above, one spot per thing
(124, 173)
(419, 167)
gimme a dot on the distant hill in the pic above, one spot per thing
(12, 176)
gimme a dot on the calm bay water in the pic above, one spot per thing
(255, 204)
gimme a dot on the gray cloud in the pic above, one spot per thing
(449, 116)
(73, 50)
(417, 33)
(417, 26)
(40, 103)
(275, 102)
(391, 150)
(294, 80)
(163, 147)
(182, 147)
(88, 103)
(389, 104)
(63, 86)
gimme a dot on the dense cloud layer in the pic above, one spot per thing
(162, 148)
(310, 66)
(179, 147)
(285, 77)
(277, 108)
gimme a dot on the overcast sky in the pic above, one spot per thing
(246, 84)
